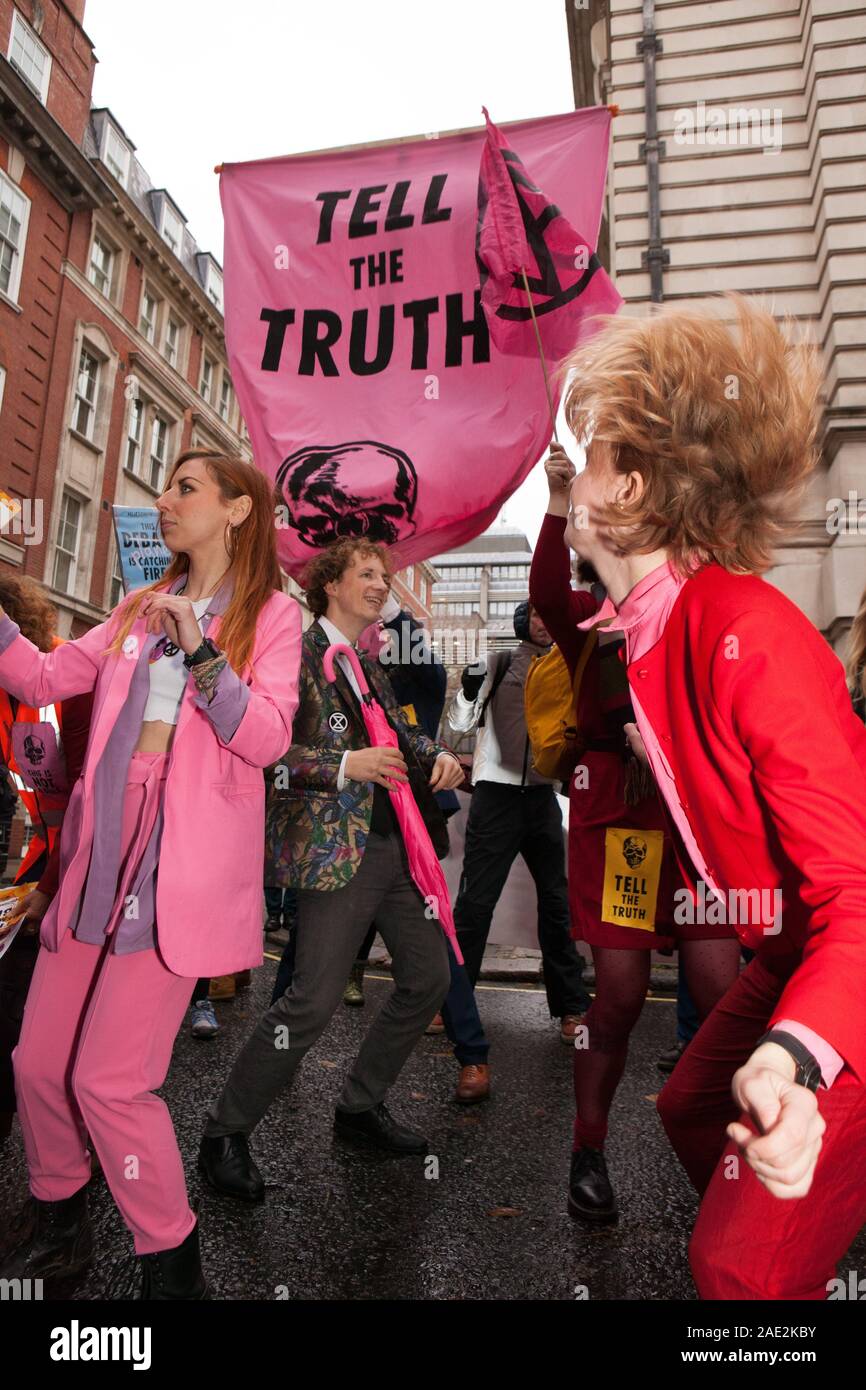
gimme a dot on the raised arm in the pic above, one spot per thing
(42, 678)
(559, 606)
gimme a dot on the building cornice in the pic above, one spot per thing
(144, 356)
(58, 161)
(147, 241)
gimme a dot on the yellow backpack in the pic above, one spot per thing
(550, 703)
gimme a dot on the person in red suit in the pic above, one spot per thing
(702, 433)
(606, 791)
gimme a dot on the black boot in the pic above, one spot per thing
(174, 1274)
(379, 1128)
(226, 1163)
(50, 1239)
(590, 1195)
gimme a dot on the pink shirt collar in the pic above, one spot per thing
(644, 611)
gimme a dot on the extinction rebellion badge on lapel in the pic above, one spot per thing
(338, 723)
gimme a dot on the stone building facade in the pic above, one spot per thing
(739, 163)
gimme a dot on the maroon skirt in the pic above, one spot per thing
(638, 888)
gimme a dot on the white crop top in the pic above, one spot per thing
(168, 678)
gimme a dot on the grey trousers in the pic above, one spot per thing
(331, 927)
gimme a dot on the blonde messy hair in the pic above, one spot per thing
(720, 421)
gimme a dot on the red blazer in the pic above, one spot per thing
(754, 717)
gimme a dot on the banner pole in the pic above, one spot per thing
(540, 354)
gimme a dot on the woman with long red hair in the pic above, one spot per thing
(162, 853)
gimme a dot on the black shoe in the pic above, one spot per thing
(669, 1059)
(50, 1239)
(590, 1195)
(273, 924)
(227, 1165)
(378, 1127)
(175, 1273)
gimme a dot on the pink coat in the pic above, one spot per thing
(209, 885)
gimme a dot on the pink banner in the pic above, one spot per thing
(358, 344)
(540, 278)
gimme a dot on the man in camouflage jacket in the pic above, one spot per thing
(317, 833)
(334, 830)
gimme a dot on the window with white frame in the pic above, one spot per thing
(172, 228)
(14, 215)
(215, 286)
(29, 57)
(149, 314)
(207, 379)
(135, 435)
(68, 539)
(116, 591)
(225, 409)
(116, 154)
(86, 394)
(101, 267)
(171, 346)
(158, 451)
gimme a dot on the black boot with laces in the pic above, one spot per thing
(49, 1240)
(175, 1273)
(590, 1195)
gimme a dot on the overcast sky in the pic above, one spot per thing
(196, 82)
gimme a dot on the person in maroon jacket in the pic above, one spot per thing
(608, 791)
(703, 434)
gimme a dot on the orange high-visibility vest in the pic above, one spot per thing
(45, 810)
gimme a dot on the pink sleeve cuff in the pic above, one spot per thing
(827, 1057)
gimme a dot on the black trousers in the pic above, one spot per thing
(505, 821)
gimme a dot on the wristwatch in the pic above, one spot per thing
(808, 1071)
(206, 652)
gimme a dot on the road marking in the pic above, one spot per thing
(507, 989)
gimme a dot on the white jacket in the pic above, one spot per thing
(502, 751)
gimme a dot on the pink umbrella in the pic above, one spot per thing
(424, 867)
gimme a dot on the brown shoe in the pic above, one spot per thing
(222, 987)
(435, 1026)
(569, 1024)
(474, 1084)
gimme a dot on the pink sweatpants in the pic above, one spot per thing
(96, 1042)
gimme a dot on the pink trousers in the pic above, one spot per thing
(96, 1042)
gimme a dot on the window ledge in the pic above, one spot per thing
(155, 492)
(10, 303)
(82, 439)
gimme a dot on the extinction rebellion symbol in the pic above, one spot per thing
(338, 723)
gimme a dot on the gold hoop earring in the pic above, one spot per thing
(229, 540)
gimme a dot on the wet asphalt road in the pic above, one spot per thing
(339, 1224)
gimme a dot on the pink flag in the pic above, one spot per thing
(358, 344)
(519, 230)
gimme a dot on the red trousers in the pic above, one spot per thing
(748, 1244)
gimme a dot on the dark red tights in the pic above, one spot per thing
(621, 980)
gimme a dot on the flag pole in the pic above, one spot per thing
(540, 354)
